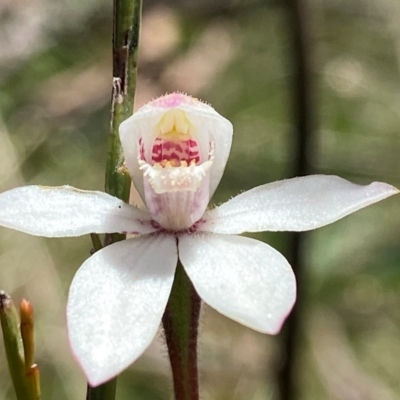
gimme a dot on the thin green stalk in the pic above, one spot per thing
(14, 346)
(127, 14)
(181, 321)
(96, 241)
(126, 26)
(304, 120)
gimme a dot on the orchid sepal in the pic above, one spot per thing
(297, 204)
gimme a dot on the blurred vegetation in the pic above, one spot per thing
(55, 86)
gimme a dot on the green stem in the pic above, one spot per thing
(126, 26)
(181, 321)
(14, 346)
(304, 116)
(127, 14)
(96, 241)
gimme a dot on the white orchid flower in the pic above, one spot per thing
(176, 148)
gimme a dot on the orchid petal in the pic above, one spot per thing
(65, 211)
(297, 204)
(207, 123)
(242, 278)
(116, 302)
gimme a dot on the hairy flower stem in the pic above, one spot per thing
(126, 26)
(181, 321)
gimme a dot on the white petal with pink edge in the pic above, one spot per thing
(297, 204)
(116, 302)
(244, 279)
(66, 211)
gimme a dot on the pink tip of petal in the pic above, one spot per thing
(173, 100)
(279, 325)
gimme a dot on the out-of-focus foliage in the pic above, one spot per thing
(55, 79)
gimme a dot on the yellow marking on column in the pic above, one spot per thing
(174, 125)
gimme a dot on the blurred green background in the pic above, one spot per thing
(55, 85)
